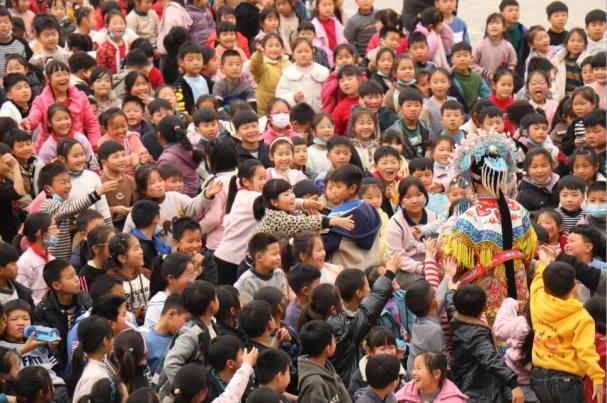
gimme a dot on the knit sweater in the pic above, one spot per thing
(471, 86)
(488, 56)
(252, 281)
(359, 30)
(145, 25)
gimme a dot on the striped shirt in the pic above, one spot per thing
(573, 75)
(15, 46)
(571, 219)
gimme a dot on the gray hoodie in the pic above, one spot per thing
(320, 384)
(366, 395)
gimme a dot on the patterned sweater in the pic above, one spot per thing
(251, 281)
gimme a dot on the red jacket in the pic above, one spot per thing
(341, 114)
(241, 40)
(110, 56)
(599, 342)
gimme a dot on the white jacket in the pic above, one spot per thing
(10, 110)
(560, 78)
(308, 80)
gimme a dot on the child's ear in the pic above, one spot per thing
(233, 312)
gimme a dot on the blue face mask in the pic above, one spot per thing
(541, 184)
(52, 241)
(318, 141)
(381, 74)
(57, 197)
(405, 83)
(157, 230)
(597, 210)
(533, 143)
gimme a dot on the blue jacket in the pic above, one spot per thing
(366, 225)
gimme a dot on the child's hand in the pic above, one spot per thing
(518, 396)
(107, 187)
(436, 188)
(145, 157)
(250, 357)
(343, 222)
(430, 245)
(299, 96)
(214, 188)
(134, 159)
(281, 336)
(258, 47)
(547, 254)
(597, 392)
(579, 141)
(27, 126)
(31, 344)
(198, 259)
(452, 286)
(313, 205)
(393, 262)
(120, 212)
(9, 160)
(450, 267)
(417, 232)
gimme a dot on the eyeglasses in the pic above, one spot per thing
(540, 82)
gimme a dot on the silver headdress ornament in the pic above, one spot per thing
(496, 151)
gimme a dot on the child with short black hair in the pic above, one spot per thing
(558, 14)
(272, 370)
(595, 27)
(466, 85)
(585, 243)
(10, 288)
(307, 30)
(225, 358)
(301, 116)
(388, 168)
(146, 219)
(371, 96)
(264, 249)
(554, 286)
(256, 320)
(60, 307)
(232, 87)
(19, 96)
(188, 239)
(452, 117)
(594, 130)
(318, 380)
(247, 129)
(571, 191)
(81, 66)
(112, 157)
(382, 377)
(47, 32)
(477, 367)
(191, 84)
(191, 342)
(414, 131)
(596, 197)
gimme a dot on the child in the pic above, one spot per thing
(191, 343)
(452, 117)
(278, 122)
(281, 154)
(442, 149)
(430, 379)
(307, 30)
(318, 380)
(95, 335)
(58, 90)
(414, 132)
(538, 85)
(265, 251)
(96, 251)
(145, 215)
(60, 307)
(115, 123)
(596, 307)
(19, 95)
(536, 188)
(339, 153)
(553, 286)
(225, 357)
(143, 22)
(387, 165)
(157, 337)
(190, 85)
(361, 26)
(584, 163)
(247, 129)
(247, 20)
(510, 10)
(534, 133)
(558, 14)
(371, 96)
(384, 66)
(599, 73)
(22, 9)
(597, 201)
(586, 67)
(18, 317)
(17, 45)
(13, 189)
(404, 77)
(404, 230)
(268, 24)
(112, 52)
(388, 39)
(55, 181)
(267, 65)
(349, 78)
(571, 196)
(418, 48)
(567, 60)
(382, 377)
(272, 370)
(187, 239)
(129, 357)
(594, 125)
(324, 23)
(467, 85)
(477, 375)
(307, 247)
(364, 132)
(302, 278)
(81, 66)
(457, 25)
(344, 54)
(232, 88)
(112, 157)
(438, 35)
(585, 101)
(203, 23)
(47, 35)
(226, 317)
(494, 51)
(302, 81)
(387, 17)
(595, 26)
(584, 243)
(101, 87)
(300, 155)
(371, 192)
(324, 130)
(288, 20)
(440, 81)
(10, 288)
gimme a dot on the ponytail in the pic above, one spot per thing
(105, 390)
(323, 298)
(34, 222)
(118, 246)
(96, 237)
(190, 380)
(271, 190)
(172, 131)
(167, 265)
(246, 170)
(129, 351)
(292, 248)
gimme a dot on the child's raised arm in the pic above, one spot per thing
(68, 208)
(239, 382)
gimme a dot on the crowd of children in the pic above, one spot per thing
(252, 201)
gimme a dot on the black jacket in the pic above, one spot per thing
(48, 313)
(23, 292)
(590, 276)
(477, 367)
(247, 21)
(264, 154)
(350, 328)
(534, 198)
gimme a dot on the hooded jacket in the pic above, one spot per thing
(350, 328)
(358, 247)
(534, 198)
(309, 81)
(449, 393)
(564, 333)
(83, 118)
(322, 41)
(267, 73)
(180, 157)
(320, 384)
(366, 395)
(359, 378)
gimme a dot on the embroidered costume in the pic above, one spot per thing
(493, 241)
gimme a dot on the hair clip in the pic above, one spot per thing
(130, 349)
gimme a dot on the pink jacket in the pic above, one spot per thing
(446, 36)
(513, 329)
(449, 393)
(399, 238)
(212, 222)
(270, 135)
(132, 145)
(174, 15)
(83, 118)
(322, 41)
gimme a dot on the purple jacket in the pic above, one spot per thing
(177, 155)
(203, 24)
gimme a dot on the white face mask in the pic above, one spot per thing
(281, 120)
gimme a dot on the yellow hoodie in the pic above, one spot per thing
(564, 333)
